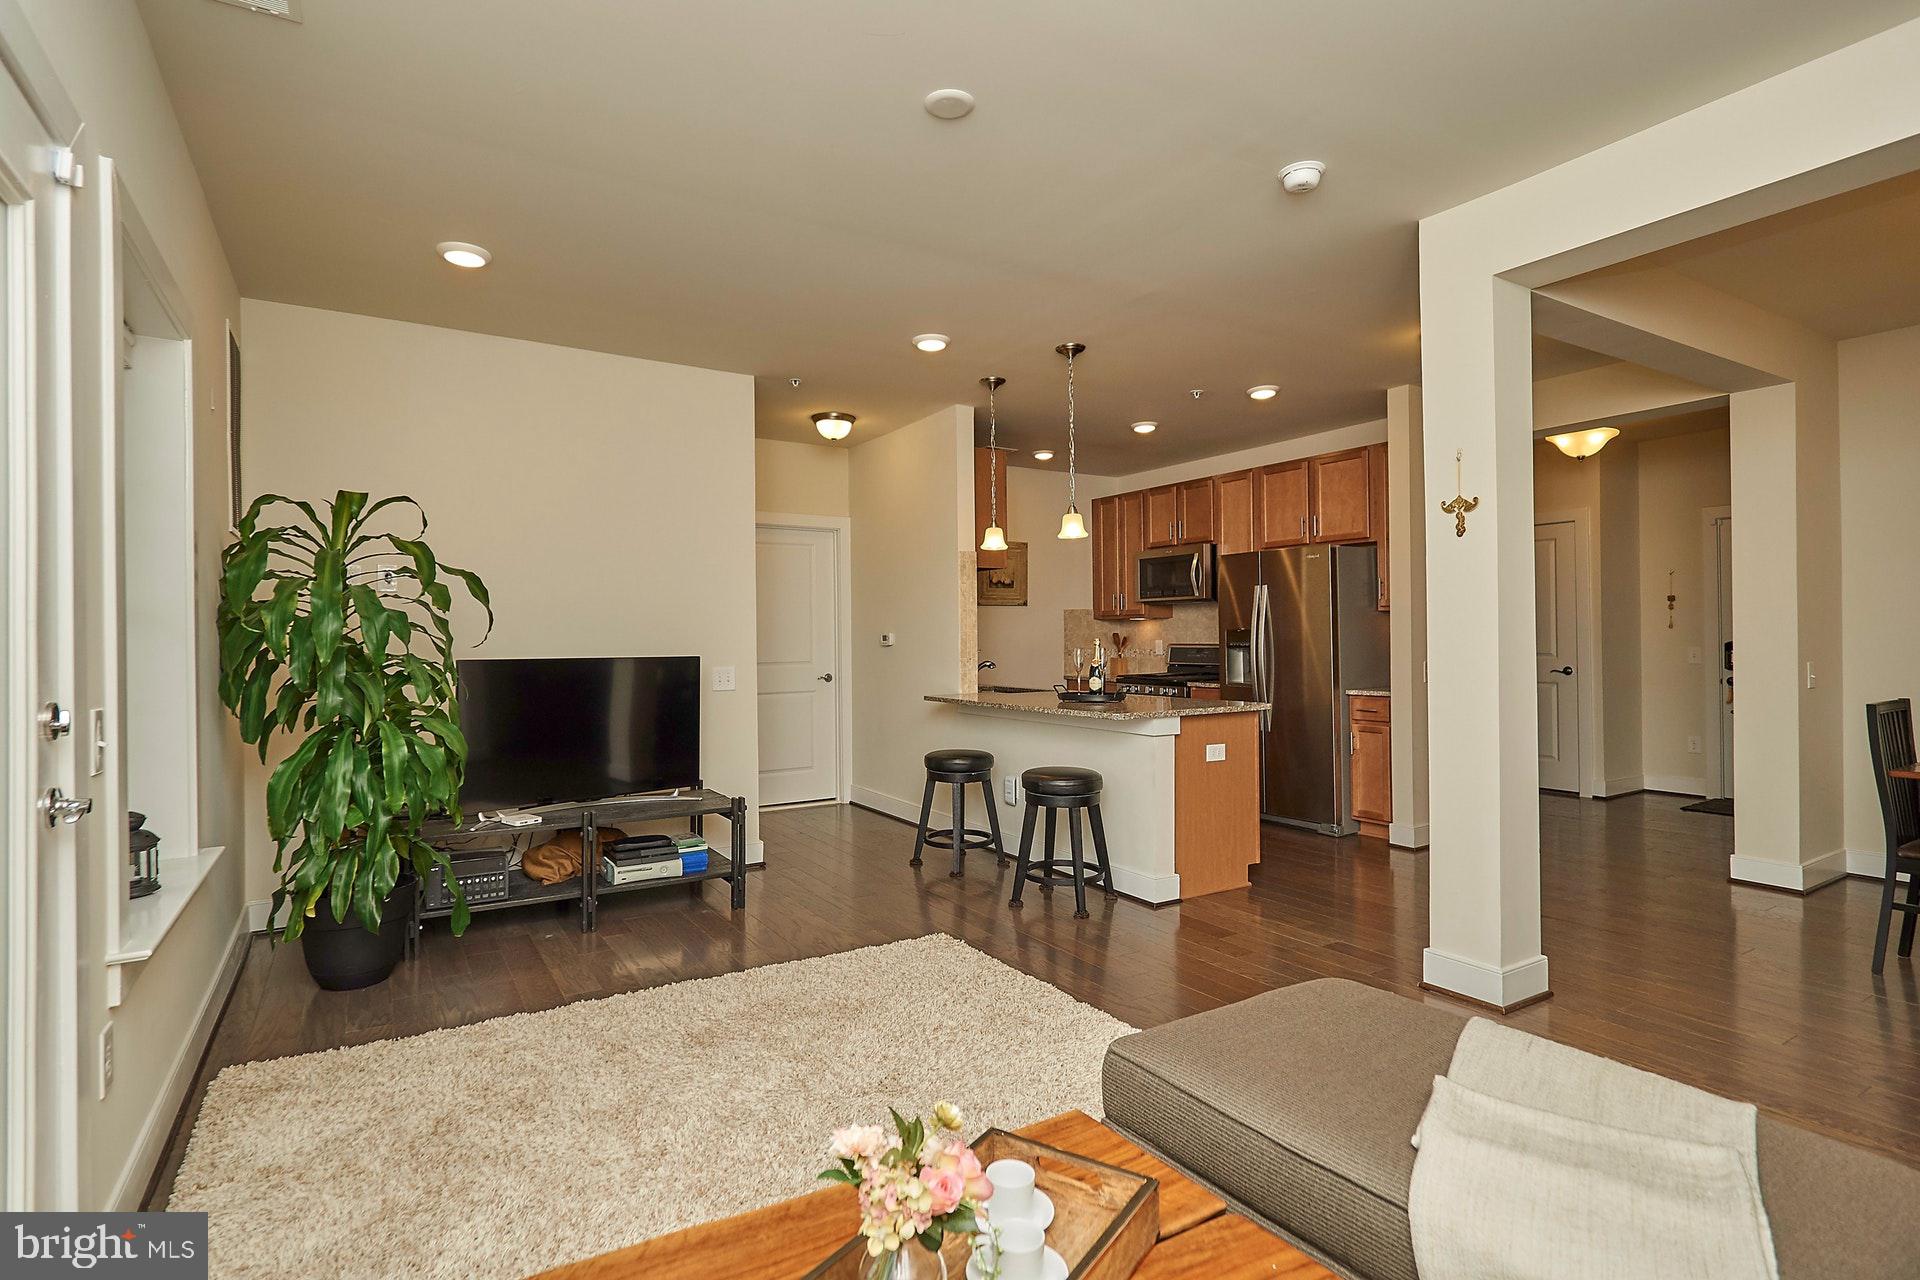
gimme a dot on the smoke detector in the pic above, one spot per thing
(288, 9)
(1302, 176)
(949, 104)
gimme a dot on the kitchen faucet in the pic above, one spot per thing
(985, 666)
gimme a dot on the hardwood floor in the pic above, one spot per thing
(1656, 959)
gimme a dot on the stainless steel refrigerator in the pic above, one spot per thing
(1298, 628)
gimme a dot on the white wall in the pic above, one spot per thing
(607, 502)
(794, 479)
(911, 494)
(1880, 602)
(99, 55)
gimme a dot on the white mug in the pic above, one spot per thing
(1012, 1189)
(1021, 1252)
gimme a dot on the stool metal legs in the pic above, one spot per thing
(926, 812)
(957, 836)
(1048, 870)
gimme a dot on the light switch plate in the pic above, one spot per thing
(723, 678)
(1693, 744)
(1010, 790)
(99, 765)
(1693, 656)
(1216, 751)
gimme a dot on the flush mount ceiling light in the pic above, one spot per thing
(1302, 176)
(1581, 445)
(833, 425)
(1265, 391)
(1144, 428)
(949, 104)
(1071, 524)
(462, 254)
(931, 341)
(995, 538)
(1043, 455)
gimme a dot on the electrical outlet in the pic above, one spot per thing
(723, 678)
(1010, 790)
(106, 1059)
(886, 639)
(1693, 743)
(1216, 751)
(1693, 656)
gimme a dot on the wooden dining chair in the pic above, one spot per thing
(1890, 739)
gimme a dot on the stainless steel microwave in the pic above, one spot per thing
(1171, 574)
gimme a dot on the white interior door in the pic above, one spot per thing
(1723, 656)
(38, 911)
(797, 571)
(1557, 654)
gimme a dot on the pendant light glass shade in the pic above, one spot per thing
(1580, 445)
(995, 538)
(1071, 524)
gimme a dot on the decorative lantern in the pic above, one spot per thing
(144, 853)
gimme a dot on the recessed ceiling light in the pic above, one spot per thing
(931, 341)
(834, 425)
(1265, 391)
(949, 104)
(1144, 428)
(1043, 455)
(1302, 176)
(461, 254)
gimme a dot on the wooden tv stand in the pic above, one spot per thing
(587, 818)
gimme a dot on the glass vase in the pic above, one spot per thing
(909, 1262)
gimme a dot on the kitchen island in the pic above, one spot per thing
(1181, 799)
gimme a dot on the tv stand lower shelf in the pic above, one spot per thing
(588, 819)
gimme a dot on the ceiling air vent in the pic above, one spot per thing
(288, 9)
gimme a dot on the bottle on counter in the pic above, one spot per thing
(1097, 673)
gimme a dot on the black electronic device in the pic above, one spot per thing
(482, 877)
(555, 730)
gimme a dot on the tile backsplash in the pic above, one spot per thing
(1146, 642)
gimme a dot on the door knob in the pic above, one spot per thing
(61, 808)
(828, 678)
(1563, 671)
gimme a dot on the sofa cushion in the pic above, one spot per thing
(1299, 1104)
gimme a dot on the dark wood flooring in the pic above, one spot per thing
(1656, 959)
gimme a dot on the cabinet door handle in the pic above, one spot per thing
(1316, 526)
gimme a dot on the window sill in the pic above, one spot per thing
(145, 921)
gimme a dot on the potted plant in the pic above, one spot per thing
(341, 635)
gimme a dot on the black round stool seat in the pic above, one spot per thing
(1060, 780)
(959, 760)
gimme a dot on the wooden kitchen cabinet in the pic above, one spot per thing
(1179, 513)
(1370, 763)
(1199, 502)
(989, 467)
(1233, 513)
(1131, 511)
(1377, 471)
(1343, 496)
(1161, 520)
(1118, 536)
(1281, 504)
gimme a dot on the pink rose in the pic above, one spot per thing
(979, 1189)
(946, 1186)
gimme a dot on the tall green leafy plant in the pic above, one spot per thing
(342, 635)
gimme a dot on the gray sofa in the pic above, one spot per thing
(1297, 1105)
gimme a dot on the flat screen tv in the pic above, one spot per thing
(554, 730)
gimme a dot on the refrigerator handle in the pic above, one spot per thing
(1262, 676)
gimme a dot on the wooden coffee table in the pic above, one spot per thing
(1199, 1237)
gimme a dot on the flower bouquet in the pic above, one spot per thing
(916, 1184)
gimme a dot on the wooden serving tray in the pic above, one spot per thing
(1105, 1218)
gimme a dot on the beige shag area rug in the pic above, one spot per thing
(511, 1145)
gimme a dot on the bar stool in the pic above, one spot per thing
(958, 767)
(1053, 788)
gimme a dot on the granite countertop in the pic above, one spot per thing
(1368, 693)
(1134, 707)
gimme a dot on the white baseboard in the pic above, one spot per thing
(144, 1158)
(1673, 784)
(1800, 877)
(1625, 786)
(1147, 888)
(1872, 864)
(1409, 835)
(1502, 988)
(909, 810)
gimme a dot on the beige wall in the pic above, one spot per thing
(606, 501)
(800, 479)
(911, 494)
(99, 55)
(1880, 605)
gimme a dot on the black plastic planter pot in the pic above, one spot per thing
(344, 956)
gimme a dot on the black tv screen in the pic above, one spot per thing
(553, 730)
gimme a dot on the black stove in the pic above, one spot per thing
(1186, 663)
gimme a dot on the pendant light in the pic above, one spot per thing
(995, 539)
(1071, 525)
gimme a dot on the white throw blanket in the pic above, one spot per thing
(1537, 1160)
